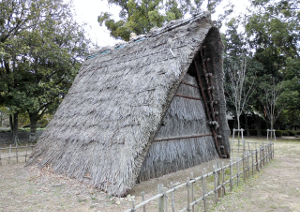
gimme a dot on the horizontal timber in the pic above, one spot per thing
(189, 84)
(183, 137)
(188, 97)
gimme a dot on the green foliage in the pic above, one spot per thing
(40, 57)
(270, 39)
(140, 16)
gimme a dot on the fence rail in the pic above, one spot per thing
(15, 154)
(212, 184)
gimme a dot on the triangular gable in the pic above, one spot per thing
(104, 127)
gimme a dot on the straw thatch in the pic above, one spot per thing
(122, 117)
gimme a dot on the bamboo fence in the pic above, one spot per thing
(15, 154)
(211, 185)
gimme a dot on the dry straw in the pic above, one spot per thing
(106, 128)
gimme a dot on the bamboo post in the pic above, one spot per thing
(17, 159)
(0, 158)
(252, 160)
(273, 150)
(188, 193)
(244, 168)
(238, 171)
(133, 206)
(248, 160)
(233, 134)
(9, 152)
(219, 176)
(223, 180)
(244, 147)
(143, 199)
(263, 151)
(270, 150)
(26, 152)
(204, 190)
(173, 200)
(266, 153)
(261, 157)
(161, 199)
(166, 200)
(215, 183)
(230, 166)
(256, 160)
(192, 189)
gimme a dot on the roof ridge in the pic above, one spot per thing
(155, 31)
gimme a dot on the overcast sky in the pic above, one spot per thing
(87, 11)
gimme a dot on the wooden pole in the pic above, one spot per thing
(166, 199)
(218, 182)
(192, 188)
(238, 171)
(9, 152)
(230, 166)
(204, 190)
(133, 205)
(223, 180)
(161, 199)
(173, 200)
(143, 199)
(252, 160)
(215, 183)
(188, 193)
(0, 158)
(17, 159)
(26, 152)
(244, 168)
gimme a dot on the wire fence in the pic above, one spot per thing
(15, 154)
(197, 193)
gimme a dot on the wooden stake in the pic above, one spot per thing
(204, 190)
(238, 170)
(173, 200)
(143, 199)
(17, 159)
(188, 193)
(161, 199)
(215, 183)
(230, 166)
(223, 180)
(192, 188)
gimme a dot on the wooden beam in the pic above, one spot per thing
(183, 137)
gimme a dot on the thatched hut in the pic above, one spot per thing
(143, 109)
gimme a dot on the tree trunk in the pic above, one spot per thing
(257, 124)
(14, 127)
(246, 125)
(33, 125)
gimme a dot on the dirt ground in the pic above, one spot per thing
(275, 188)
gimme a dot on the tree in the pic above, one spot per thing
(273, 33)
(140, 16)
(55, 55)
(3, 115)
(239, 86)
(40, 55)
(239, 70)
(270, 102)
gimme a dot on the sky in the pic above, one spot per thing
(87, 11)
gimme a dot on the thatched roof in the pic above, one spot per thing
(104, 127)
